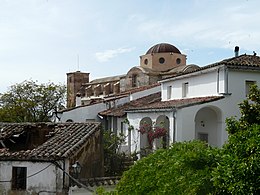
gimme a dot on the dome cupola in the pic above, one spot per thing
(163, 48)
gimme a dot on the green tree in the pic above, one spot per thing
(238, 171)
(113, 158)
(184, 168)
(31, 102)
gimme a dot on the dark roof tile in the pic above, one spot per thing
(178, 103)
(240, 62)
(66, 139)
(120, 110)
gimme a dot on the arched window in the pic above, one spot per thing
(144, 127)
(162, 125)
(134, 80)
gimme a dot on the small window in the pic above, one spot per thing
(19, 176)
(248, 86)
(203, 137)
(134, 81)
(161, 60)
(122, 128)
(185, 89)
(178, 61)
(169, 92)
(69, 121)
(146, 61)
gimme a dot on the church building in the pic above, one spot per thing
(161, 61)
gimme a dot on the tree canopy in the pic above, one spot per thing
(238, 171)
(31, 102)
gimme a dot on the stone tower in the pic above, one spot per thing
(74, 83)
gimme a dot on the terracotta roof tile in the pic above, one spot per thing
(115, 96)
(65, 139)
(240, 62)
(120, 110)
(178, 103)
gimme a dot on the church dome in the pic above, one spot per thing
(163, 48)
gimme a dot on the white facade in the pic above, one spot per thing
(210, 82)
(41, 177)
(83, 114)
(90, 112)
(206, 120)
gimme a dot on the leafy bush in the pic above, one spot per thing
(239, 169)
(184, 168)
(113, 159)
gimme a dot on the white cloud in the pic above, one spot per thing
(217, 26)
(112, 53)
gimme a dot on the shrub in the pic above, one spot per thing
(184, 168)
(239, 169)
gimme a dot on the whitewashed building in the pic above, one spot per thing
(195, 105)
(91, 112)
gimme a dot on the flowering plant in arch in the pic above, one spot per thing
(153, 132)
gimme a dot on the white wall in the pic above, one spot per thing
(200, 85)
(80, 114)
(237, 81)
(134, 120)
(41, 176)
(147, 92)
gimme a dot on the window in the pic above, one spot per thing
(146, 61)
(161, 60)
(134, 80)
(178, 60)
(70, 79)
(19, 176)
(185, 89)
(169, 92)
(123, 132)
(248, 85)
(122, 128)
(203, 137)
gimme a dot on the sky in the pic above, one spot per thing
(42, 40)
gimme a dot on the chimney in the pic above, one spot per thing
(236, 51)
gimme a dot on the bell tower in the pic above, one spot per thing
(74, 83)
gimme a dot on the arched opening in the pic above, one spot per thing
(144, 127)
(69, 121)
(208, 125)
(162, 125)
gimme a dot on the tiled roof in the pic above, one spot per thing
(100, 181)
(137, 89)
(65, 139)
(240, 62)
(178, 103)
(120, 110)
(246, 60)
(105, 79)
(116, 96)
